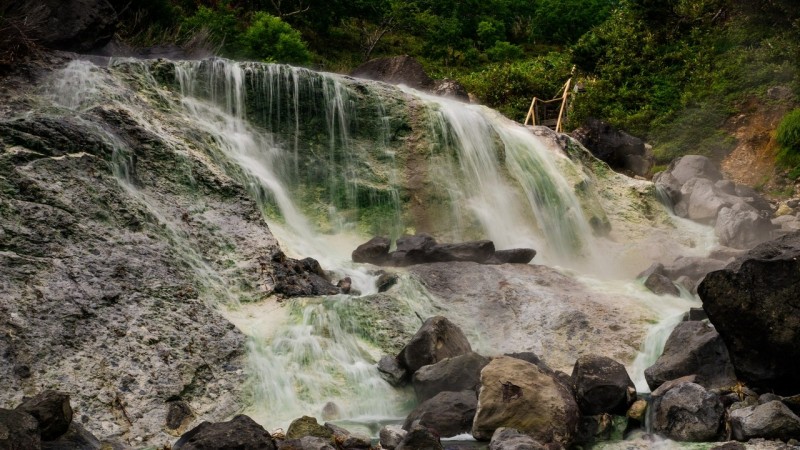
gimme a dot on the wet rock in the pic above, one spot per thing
(346, 440)
(179, 415)
(771, 420)
(511, 439)
(308, 426)
(306, 443)
(391, 436)
(344, 285)
(458, 373)
(752, 304)
(693, 348)
(448, 413)
(420, 438)
(51, 410)
(692, 267)
(386, 281)
(695, 315)
(239, 432)
(331, 411)
(76, 437)
(391, 371)
(683, 169)
(661, 285)
(742, 226)
(18, 430)
(475, 251)
(602, 385)
(637, 410)
(594, 429)
(512, 256)
(685, 411)
(437, 339)
(299, 278)
(412, 250)
(517, 394)
(620, 150)
(374, 251)
(450, 88)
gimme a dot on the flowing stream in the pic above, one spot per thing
(320, 152)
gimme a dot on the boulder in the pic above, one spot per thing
(692, 267)
(602, 385)
(305, 443)
(331, 411)
(771, 420)
(374, 251)
(391, 371)
(299, 278)
(475, 251)
(420, 438)
(386, 281)
(459, 373)
(451, 89)
(701, 201)
(685, 411)
(620, 150)
(511, 439)
(18, 430)
(683, 169)
(693, 348)
(594, 429)
(448, 413)
(391, 436)
(661, 285)
(512, 256)
(346, 440)
(517, 394)
(742, 226)
(51, 410)
(753, 304)
(76, 437)
(411, 249)
(395, 70)
(239, 432)
(308, 426)
(179, 415)
(437, 339)
(77, 25)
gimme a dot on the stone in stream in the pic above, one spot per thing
(386, 280)
(770, 420)
(308, 426)
(240, 432)
(450, 374)
(512, 256)
(420, 438)
(375, 251)
(76, 437)
(391, 371)
(299, 278)
(602, 385)
(685, 411)
(391, 436)
(753, 304)
(305, 443)
(511, 439)
(51, 410)
(448, 413)
(661, 285)
(437, 339)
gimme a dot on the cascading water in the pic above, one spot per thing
(333, 160)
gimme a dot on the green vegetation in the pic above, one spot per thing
(788, 138)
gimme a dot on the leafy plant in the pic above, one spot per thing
(271, 39)
(788, 138)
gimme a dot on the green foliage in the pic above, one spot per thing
(271, 39)
(504, 51)
(788, 138)
(565, 21)
(221, 24)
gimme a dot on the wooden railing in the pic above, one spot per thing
(549, 113)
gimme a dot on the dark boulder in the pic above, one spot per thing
(391, 371)
(475, 251)
(308, 426)
(386, 280)
(753, 304)
(685, 411)
(420, 438)
(771, 420)
(374, 251)
(620, 150)
(602, 385)
(77, 25)
(18, 430)
(661, 285)
(179, 415)
(299, 278)
(391, 436)
(451, 89)
(511, 439)
(51, 410)
(448, 413)
(238, 433)
(693, 348)
(395, 70)
(512, 256)
(437, 339)
(305, 443)
(458, 373)
(412, 250)
(76, 437)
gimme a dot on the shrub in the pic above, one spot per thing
(222, 26)
(788, 138)
(269, 38)
(504, 51)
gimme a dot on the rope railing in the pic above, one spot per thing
(549, 113)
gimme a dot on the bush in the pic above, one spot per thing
(788, 137)
(222, 26)
(269, 38)
(504, 51)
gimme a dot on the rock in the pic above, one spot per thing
(300, 278)
(692, 267)
(661, 285)
(51, 410)
(475, 251)
(753, 304)
(701, 201)
(308, 426)
(76, 437)
(437, 339)
(683, 169)
(179, 416)
(695, 315)
(450, 88)
(686, 412)
(693, 348)
(18, 430)
(375, 251)
(511, 439)
(448, 413)
(742, 226)
(512, 256)
(655, 268)
(395, 70)
(77, 25)
(602, 385)
(622, 152)
(458, 373)
(386, 281)
(595, 428)
(357, 440)
(240, 432)
(412, 249)
(391, 371)
(771, 420)
(420, 438)
(344, 285)
(391, 436)
(331, 411)
(637, 410)
(517, 394)
(306, 443)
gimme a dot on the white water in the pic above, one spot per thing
(308, 353)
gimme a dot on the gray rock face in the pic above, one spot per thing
(392, 371)
(618, 149)
(693, 348)
(602, 385)
(753, 304)
(687, 412)
(437, 339)
(511, 439)
(51, 410)
(448, 413)
(771, 420)
(408, 71)
(239, 432)
(451, 374)
(78, 25)
(420, 438)
(741, 226)
(661, 285)
(391, 436)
